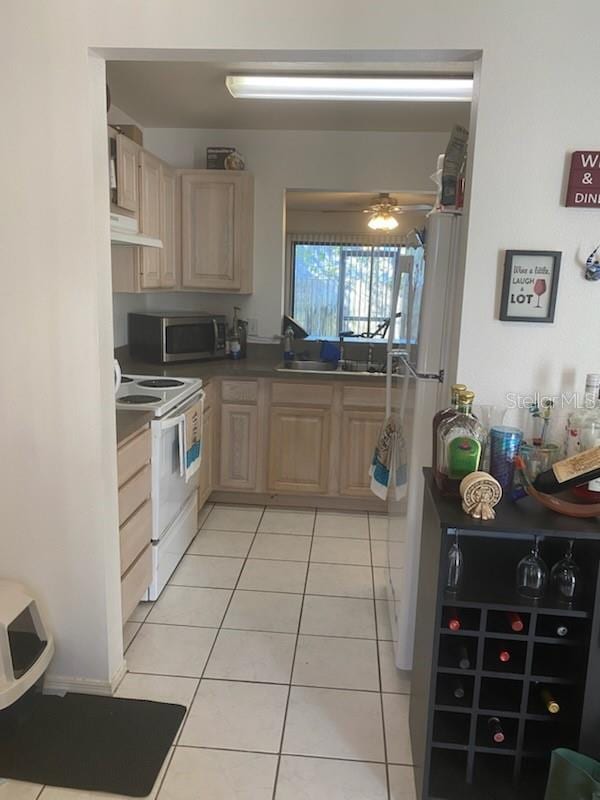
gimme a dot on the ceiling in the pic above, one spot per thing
(167, 94)
(300, 200)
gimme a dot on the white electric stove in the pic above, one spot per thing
(155, 393)
(174, 499)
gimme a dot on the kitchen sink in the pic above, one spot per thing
(309, 366)
(348, 368)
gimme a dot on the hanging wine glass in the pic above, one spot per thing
(565, 576)
(532, 573)
(455, 566)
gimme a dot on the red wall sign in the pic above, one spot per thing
(583, 189)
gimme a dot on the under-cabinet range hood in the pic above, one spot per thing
(124, 231)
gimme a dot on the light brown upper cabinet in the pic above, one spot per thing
(168, 227)
(217, 224)
(149, 186)
(127, 173)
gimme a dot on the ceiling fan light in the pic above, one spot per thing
(382, 221)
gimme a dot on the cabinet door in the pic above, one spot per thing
(150, 185)
(216, 230)
(238, 446)
(359, 436)
(299, 450)
(205, 479)
(127, 173)
(168, 227)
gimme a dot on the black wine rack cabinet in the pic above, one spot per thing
(454, 754)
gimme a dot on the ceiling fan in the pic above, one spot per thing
(382, 211)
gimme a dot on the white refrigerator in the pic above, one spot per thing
(414, 397)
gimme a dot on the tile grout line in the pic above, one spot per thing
(193, 698)
(266, 683)
(287, 704)
(385, 751)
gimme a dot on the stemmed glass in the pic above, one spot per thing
(455, 565)
(532, 573)
(565, 576)
(539, 288)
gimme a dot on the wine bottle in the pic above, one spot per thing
(495, 729)
(549, 702)
(454, 623)
(503, 655)
(463, 660)
(458, 689)
(562, 630)
(573, 471)
(515, 621)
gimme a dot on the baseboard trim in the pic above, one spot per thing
(299, 501)
(59, 684)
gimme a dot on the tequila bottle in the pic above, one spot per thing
(461, 443)
(443, 415)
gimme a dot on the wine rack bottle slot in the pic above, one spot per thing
(460, 619)
(504, 656)
(458, 652)
(454, 690)
(451, 728)
(562, 627)
(448, 772)
(496, 731)
(500, 694)
(508, 622)
(555, 661)
(542, 737)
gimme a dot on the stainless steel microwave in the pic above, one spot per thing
(162, 337)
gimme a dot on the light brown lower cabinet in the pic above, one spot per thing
(360, 430)
(299, 450)
(239, 442)
(296, 438)
(135, 518)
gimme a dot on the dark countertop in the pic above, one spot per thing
(129, 422)
(525, 516)
(261, 362)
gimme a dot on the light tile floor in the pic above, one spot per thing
(274, 633)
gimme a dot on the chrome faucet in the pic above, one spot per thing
(341, 352)
(370, 357)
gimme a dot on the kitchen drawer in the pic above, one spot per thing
(132, 456)
(239, 391)
(312, 394)
(133, 493)
(364, 396)
(135, 535)
(135, 582)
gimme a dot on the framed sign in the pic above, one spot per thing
(530, 285)
(583, 189)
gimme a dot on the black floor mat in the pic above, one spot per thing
(79, 741)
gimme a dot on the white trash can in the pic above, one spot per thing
(26, 645)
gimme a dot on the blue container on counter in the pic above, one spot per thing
(505, 443)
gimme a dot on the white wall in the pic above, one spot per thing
(58, 506)
(539, 83)
(280, 160)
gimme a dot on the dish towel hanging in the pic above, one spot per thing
(389, 468)
(191, 436)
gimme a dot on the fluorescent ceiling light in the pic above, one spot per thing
(322, 87)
